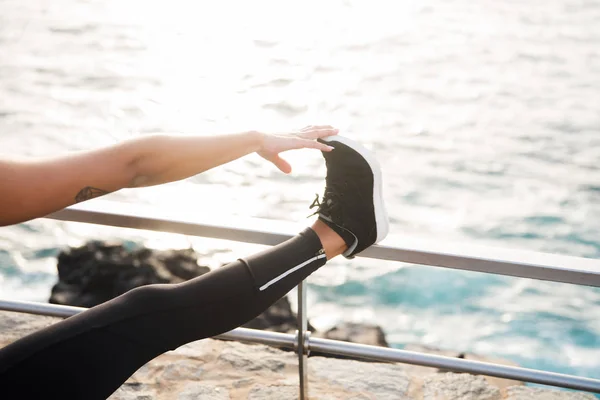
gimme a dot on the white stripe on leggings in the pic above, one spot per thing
(289, 271)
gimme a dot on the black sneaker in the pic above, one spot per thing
(352, 204)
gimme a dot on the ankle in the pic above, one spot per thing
(332, 243)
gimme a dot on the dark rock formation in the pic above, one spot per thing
(358, 333)
(97, 272)
(352, 332)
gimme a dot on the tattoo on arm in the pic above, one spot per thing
(88, 193)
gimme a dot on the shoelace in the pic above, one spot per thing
(330, 204)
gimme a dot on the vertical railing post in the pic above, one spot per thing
(301, 336)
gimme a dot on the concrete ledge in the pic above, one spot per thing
(218, 370)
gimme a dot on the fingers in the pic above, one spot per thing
(319, 132)
(311, 127)
(290, 143)
(312, 144)
(282, 164)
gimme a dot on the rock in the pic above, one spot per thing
(498, 382)
(15, 325)
(134, 391)
(384, 381)
(264, 392)
(182, 370)
(97, 272)
(358, 333)
(527, 393)
(236, 357)
(450, 386)
(205, 392)
(368, 334)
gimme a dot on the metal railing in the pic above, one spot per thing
(533, 265)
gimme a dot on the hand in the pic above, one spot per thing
(305, 138)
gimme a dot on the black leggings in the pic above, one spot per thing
(89, 355)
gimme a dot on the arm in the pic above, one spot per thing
(32, 189)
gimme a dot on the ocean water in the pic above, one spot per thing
(484, 115)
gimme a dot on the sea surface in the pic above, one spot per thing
(484, 115)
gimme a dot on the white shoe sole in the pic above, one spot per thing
(381, 216)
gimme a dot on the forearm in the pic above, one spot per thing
(34, 189)
(162, 159)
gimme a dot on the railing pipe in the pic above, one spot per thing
(30, 307)
(525, 264)
(268, 338)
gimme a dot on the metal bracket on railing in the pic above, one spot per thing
(301, 342)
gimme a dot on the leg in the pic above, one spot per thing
(88, 356)
(91, 354)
